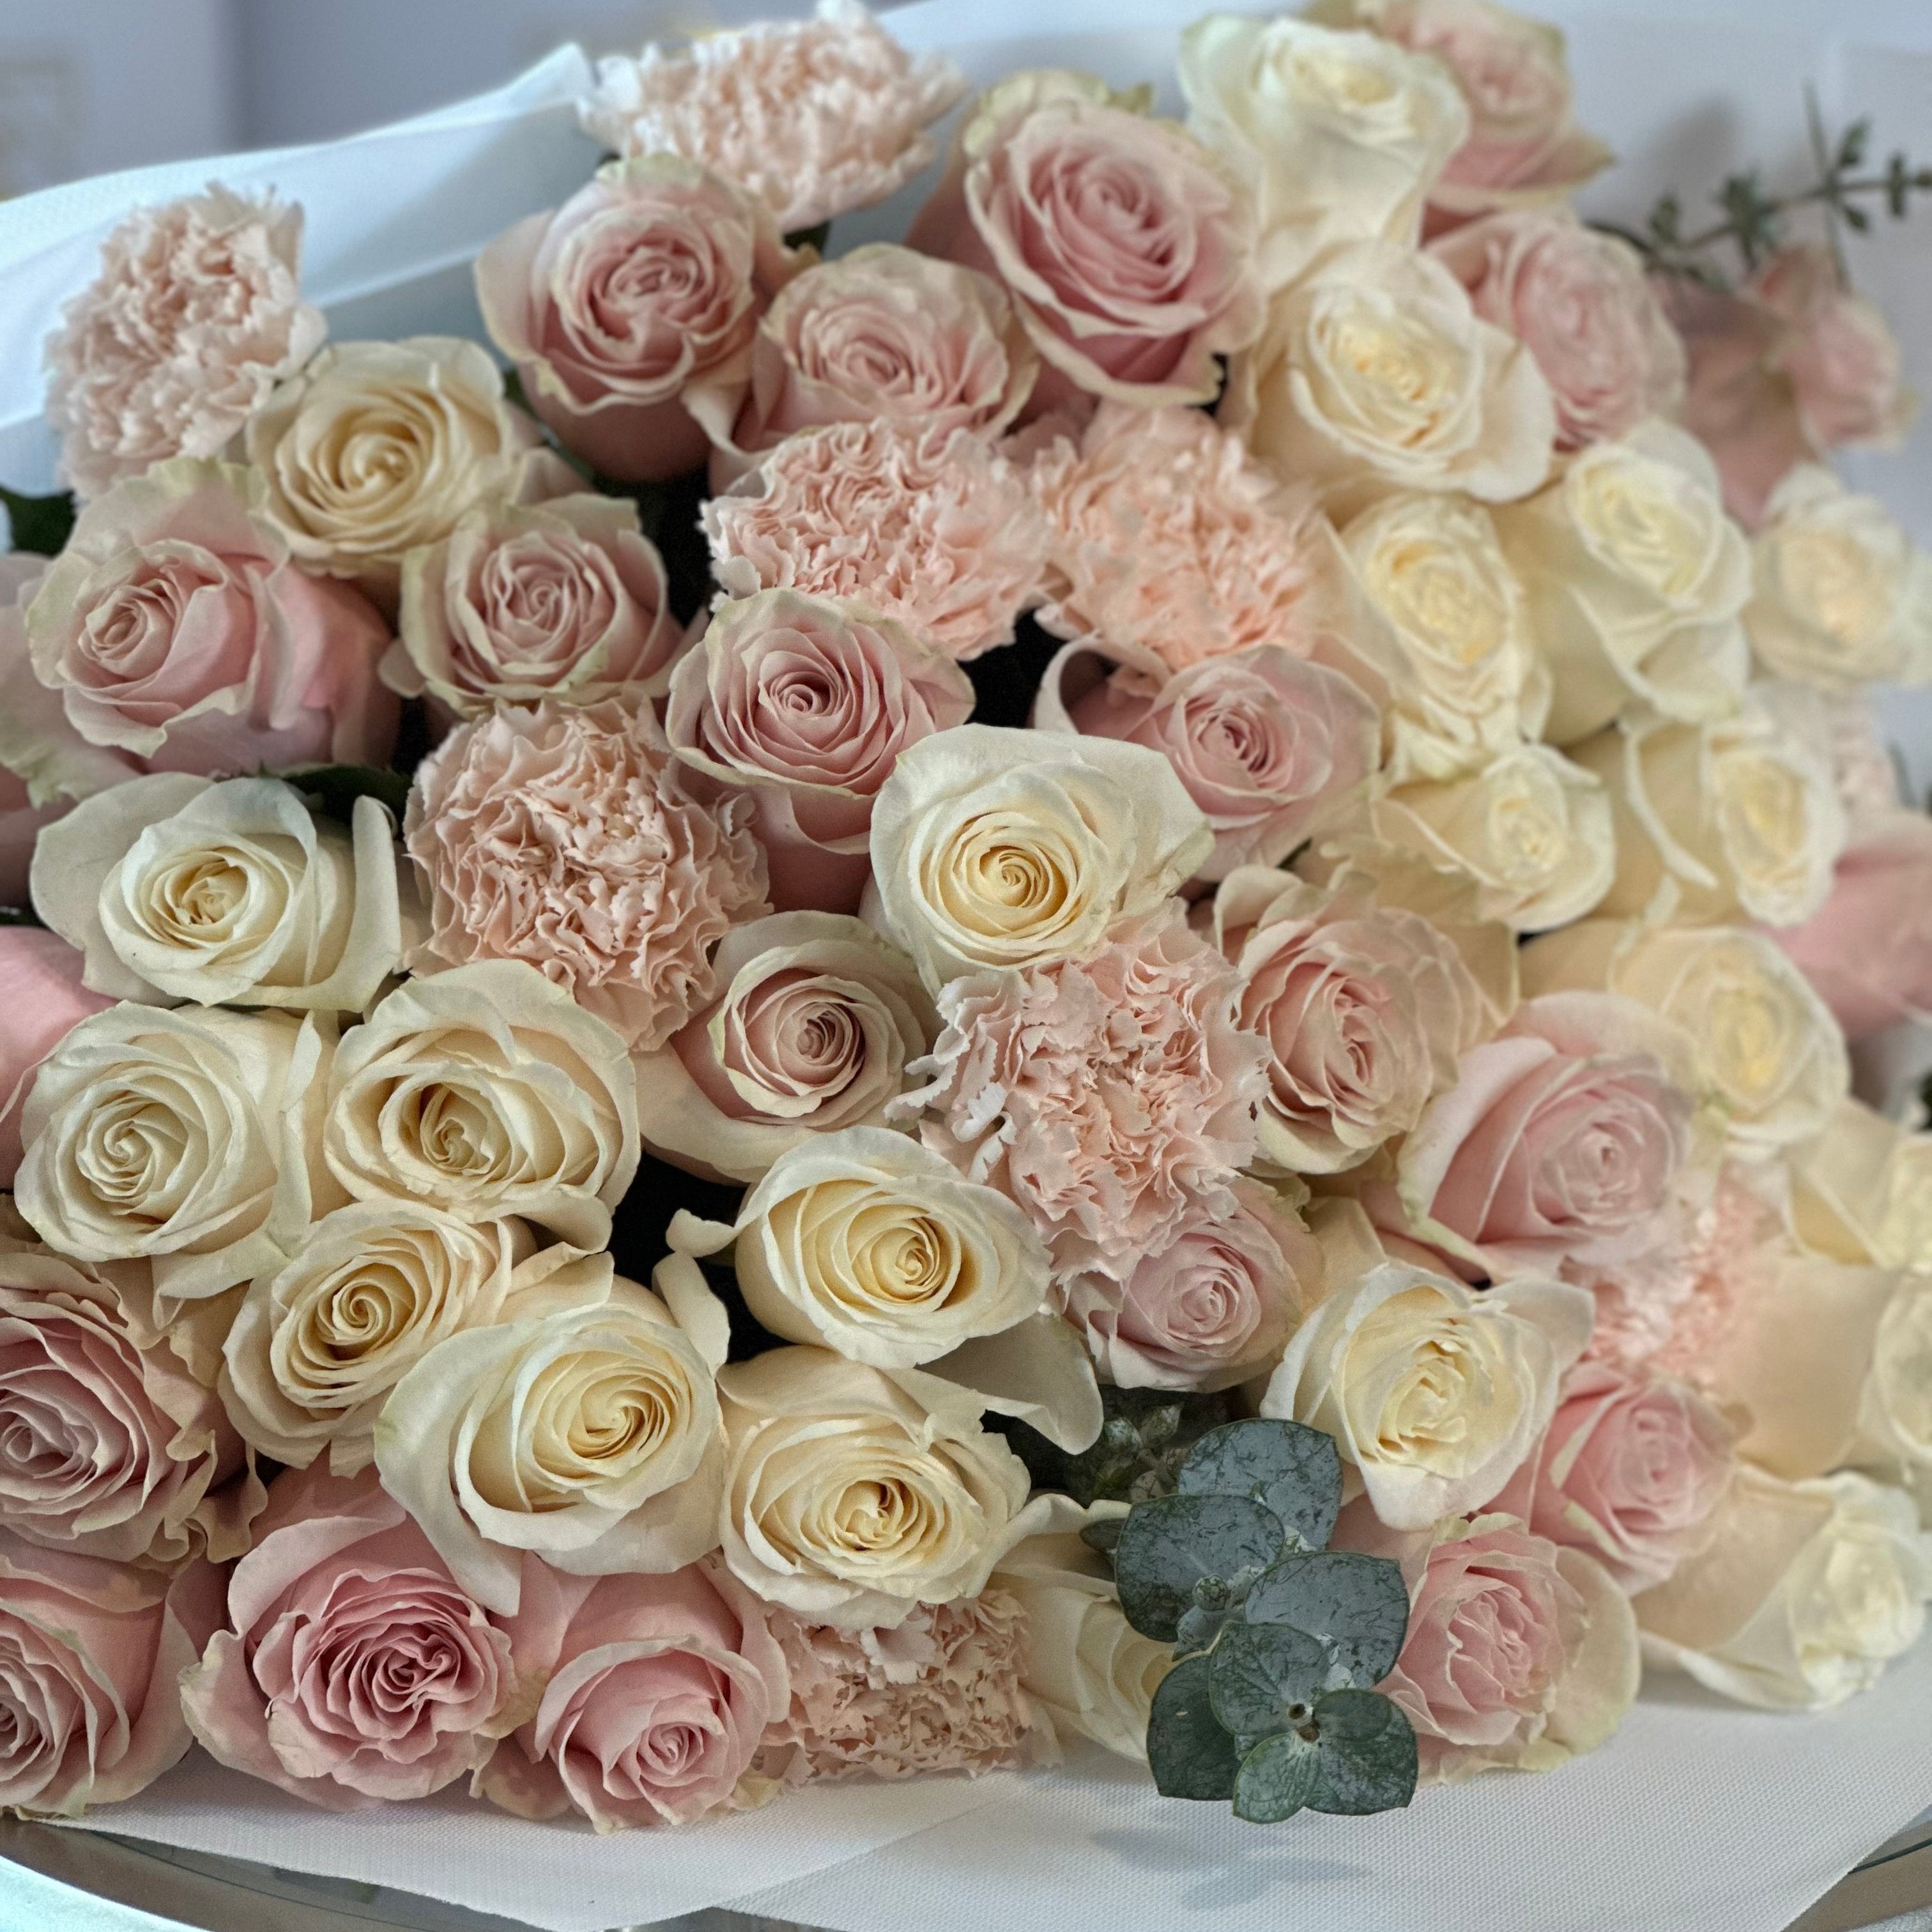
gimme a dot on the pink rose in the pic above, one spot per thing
(1267, 746)
(1630, 1470)
(21, 819)
(1212, 1308)
(197, 312)
(1563, 1139)
(1163, 537)
(927, 526)
(882, 334)
(178, 635)
(806, 703)
(564, 599)
(1579, 301)
(353, 1667)
(813, 117)
(568, 839)
(1868, 950)
(1129, 246)
(43, 1000)
(658, 1691)
(90, 1652)
(1110, 1097)
(652, 276)
(1519, 1652)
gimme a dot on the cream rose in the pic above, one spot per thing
(231, 894)
(1374, 374)
(1533, 830)
(1434, 1395)
(1764, 1043)
(1861, 1192)
(1634, 578)
(1740, 817)
(816, 1022)
(1339, 135)
(317, 1346)
(1807, 1591)
(1437, 617)
(189, 1138)
(486, 1091)
(589, 1434)
(996, 847)
(1895, 1406)
(865, 1242)
(851, 1494)
(1841, 596)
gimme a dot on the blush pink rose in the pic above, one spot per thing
(882, 334)
(1630, 1470)
(928, 527)
(353, 1667)
(177, 635)
(1868, 949)
(42, 1000)
(1579, 301)
(805, 703)
(21, 819)
(1211, 1309)
(567, 838)
(1110, 1097)
(651, 277)
(1129, 246)
(658, 1693)
(1562, 1141)
(90, 1655)
(1269, 747)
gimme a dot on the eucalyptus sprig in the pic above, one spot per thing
(1278, 1640)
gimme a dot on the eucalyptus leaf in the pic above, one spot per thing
(1367, 1755)
(1276, 1778)
(1178, 1553)
(1359, 1603)
(1267, 1677)
(1189, 1753)
(1287, 1467)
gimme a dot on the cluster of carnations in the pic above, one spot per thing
(1373, 544)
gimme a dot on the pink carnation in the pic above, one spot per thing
(1108, 1097)
(940, 1692)
(1165, 539)
(567, 838)
(934, 529)
(196, 314)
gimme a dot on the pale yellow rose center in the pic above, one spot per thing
(1398, 379)
(873, 1253)
(137, 1152)
(1334, 77)
(1426, 1387)
(994, 879)
(1746, 1033)
(1527, 826)
(1906, 1229)
(1647, 521)
(1835, 581)
(1764, 815)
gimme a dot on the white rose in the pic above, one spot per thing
(1091, 1671)
(176, 888)
(852, 1494)
(1373, 373)
(191, 1138)
(590, 1434)
(1434, 1394)
(1530, 828)
(317, 1345)
(1339, 136)
(1841, 596)
(1895, 1411)
(486, 1091)
(1807, 1592)
(1861, 1192)
(1738, 819)
(1635, 577)
(1766, 1044)
(997, 847)
(1437, 615)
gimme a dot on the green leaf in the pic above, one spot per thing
(41, 524)
(1852, 145)
(1267, 1678)
(1189, 1753)
(1359, 1603)
(1103, 1535)
(1856, 216)
(1366, 1752)
(1286, 1467)
(1277, 1778)
(1138, 1454)
(1179, 1553)
(333, 789)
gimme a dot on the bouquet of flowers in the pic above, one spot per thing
(1086, 980)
